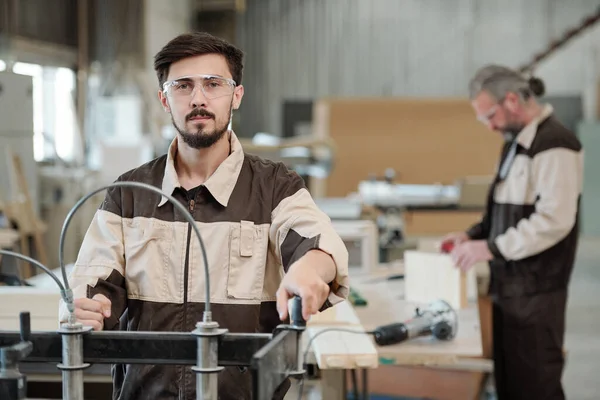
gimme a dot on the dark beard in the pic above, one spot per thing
(201, 139)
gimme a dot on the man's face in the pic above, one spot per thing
(200, 113)
(502, 116)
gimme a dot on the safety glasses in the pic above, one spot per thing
(212, 86)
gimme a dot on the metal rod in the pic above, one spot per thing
(72, 379)
(207, 366)
(365, 378)
(206, 383)
(136, 185)
(72, 360)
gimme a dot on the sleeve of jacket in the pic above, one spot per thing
(480, 230)
(298, 226)
(100, 264)
(557, 180)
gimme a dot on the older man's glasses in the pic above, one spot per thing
(211, 86)
(488, 116)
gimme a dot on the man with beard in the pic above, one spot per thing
(528, 233)
(140, 265)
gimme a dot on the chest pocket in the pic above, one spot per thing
(247, 260)
(517, 188)
(147, 253)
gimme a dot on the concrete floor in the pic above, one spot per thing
(581, 379)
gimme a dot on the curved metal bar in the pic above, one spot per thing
(150, 188)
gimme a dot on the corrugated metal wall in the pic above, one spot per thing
(303, 49)
(51, 21)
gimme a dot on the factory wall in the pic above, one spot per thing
(313, 48)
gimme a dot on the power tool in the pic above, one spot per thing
(438, 319)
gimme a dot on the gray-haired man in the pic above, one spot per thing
(528, 234)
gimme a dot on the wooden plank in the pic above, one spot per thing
(425, 383)
(430, 276)
(401, 133)
(335, 349)
(41, 303)
(438, 222)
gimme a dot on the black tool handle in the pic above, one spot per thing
(391, 334)
(25, 325)
(295, 311)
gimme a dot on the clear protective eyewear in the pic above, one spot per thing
(212, 86)
(487, 117)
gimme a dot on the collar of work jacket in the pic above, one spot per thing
(220, 184)
(527, 134)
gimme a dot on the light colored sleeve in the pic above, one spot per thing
(100, 265)
(558, 181)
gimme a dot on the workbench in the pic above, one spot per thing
(420, 368)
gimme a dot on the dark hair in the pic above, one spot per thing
(196, 44)
(537, 87)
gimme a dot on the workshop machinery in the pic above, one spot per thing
(384, 201)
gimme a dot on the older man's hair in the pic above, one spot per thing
(498, 81)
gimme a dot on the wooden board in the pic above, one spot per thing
(430, 276)
(475, 288)
(41, 303)
(335, 349)
(423, 140)
(438, 222)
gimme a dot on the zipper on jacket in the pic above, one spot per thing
(186, 270)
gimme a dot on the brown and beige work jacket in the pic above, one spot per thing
(256, 218)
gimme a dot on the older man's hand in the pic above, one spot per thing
(469, 253)
(308, 278)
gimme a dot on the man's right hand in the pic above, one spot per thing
(91, 312)
(453, 239)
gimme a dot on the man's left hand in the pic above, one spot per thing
(471, 252)
(308, 279)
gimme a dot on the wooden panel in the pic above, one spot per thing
(438, 222)
(334, 349)
(41, 303)
(430, 276)
(424, 140)
(425, 383)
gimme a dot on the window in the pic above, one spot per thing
(54, 116)
(35, 71)
(65, 113)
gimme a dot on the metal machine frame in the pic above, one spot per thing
(271, 357)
